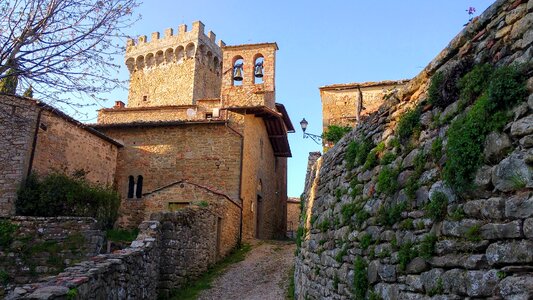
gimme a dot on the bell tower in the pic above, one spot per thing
(248, 78)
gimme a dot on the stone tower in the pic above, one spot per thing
(177, 69)
(252, 91)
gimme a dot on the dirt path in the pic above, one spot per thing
(263, 275)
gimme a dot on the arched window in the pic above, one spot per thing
(238, 71)
(159, 58)
(189, 50)
(209, 58)
(140, 62)
(169, 55)
(180, 53)
(131, 186)
(130, 63)
(150, 60)
(200, 56)
(139, 189)
(258, 69)
(215, 64)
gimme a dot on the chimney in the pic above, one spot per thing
(119, 104)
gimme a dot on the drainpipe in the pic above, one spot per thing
(240, 175)
(34, 143)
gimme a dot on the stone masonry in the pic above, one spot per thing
(482, 248)
(170, 250)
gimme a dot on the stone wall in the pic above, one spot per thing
(17, 127)
(293, 216)
(183, 194)
(66, 147)
(250, 92)
(170, 250)
(161, 113)
(205, 154)
(43, 246)
(362, 242)
(263, 183)
(176, 69)
(339, 101)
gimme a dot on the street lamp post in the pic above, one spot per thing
(316, 138)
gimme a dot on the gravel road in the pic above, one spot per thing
(263, 275)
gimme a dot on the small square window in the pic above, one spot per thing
(145, 98)
(208, 115)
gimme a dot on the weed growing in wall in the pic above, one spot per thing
(437, 289)
(389, 215)
(357, 153)
(360, 279)
(365, 241)
(426, 248)
(409, 124)
(489, 113)
(387, 158)
(437, 206)
(436, 149)
(334, 133)
(474, 83)
(443, 89)
(406, 253)
(7, 231)
(473, 233)
(387, 181)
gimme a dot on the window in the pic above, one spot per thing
(208, 115)
(145, 98)
(139, 189)
(131, 186)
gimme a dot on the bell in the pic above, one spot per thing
(258, 72)
(237, 72)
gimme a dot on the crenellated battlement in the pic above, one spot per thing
(174, 47)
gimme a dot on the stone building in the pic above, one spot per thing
(340, 101)
(293, 216)
(189, 134)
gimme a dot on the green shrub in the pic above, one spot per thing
(300, 235)
(387, 181)
(357, 153)
(60, 195)
(360, 278)
(420, 163)
(434, 96)
(7, 230)
(458, 214)
(365, 241)
(466, 135)
(406, 253)
(475, 82)
(341, 253)
(407, 224)
(411, 187)
(389, 215)
(506, 88)
(464, 150)
(371, 160)
(408, 124)
(387, 158)
(324, 225)
(4, 277)
(436, 207)
(121, 235)
(473, 233)
(436, 149)
(334, 133)
(437, 289)
(426, 247)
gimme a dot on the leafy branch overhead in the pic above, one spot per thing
(61, 47)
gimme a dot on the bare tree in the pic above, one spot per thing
(63, 49)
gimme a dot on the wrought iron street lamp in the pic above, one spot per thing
(316, 138)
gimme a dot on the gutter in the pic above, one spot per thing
(240, 174)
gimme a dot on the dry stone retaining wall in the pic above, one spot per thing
(484, 246)
(171, 249)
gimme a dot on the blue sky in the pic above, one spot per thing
(320, 43)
